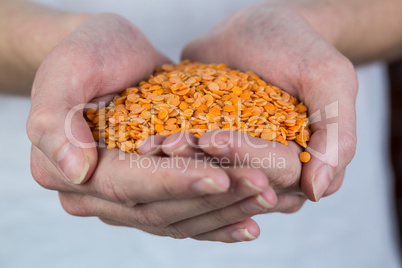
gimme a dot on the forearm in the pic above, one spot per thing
(29, 32)
(363, 30)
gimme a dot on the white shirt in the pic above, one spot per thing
(353, 228)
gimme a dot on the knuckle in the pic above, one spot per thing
(37, 123)
(350, 70)
(343, 67)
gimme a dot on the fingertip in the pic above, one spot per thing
(247, 181)
(76, 164)
(267, 199)
(209, 179)
(181, 144)
(209, 186)
(152, 146)
(252, 227)
(316, 182)
(248, 231)
(216, 142)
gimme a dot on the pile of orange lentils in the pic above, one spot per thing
(195, 98)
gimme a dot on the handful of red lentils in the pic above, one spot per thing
(195, 98)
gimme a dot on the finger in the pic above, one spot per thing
(247, 230)
(163, 213)
(152, 146)
(84, 205)
(65, 138)
(244, 183)
(56, 124)
(333, 141)
(182, 144)
(223, 217)
(137, 179)
(45, 173)
(133, 178)
(279, 162)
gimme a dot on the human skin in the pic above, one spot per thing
(224, 217)
(262, 38)
(43, 29)
(29, 33)
(102, 57)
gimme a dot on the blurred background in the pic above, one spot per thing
(36, 232)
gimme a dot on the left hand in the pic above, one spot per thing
(281, 47)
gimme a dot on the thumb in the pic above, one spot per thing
(63, 135)
(333, 124)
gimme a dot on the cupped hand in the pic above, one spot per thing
(105, 55)
(283, 48)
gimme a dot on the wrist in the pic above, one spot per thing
(325, 17)
(29, 35)
(35, 37)
(324, 22)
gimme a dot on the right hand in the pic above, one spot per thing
(105, 55)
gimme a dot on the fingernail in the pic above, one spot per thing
(253, 186)
(156, 151)
(250, 207)
(320, 181)
(264, 203)
(241, 188)
(243, 235)
(208, 186)
(222, 146)
(177, 150)
(73, 163)
(216, 148)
